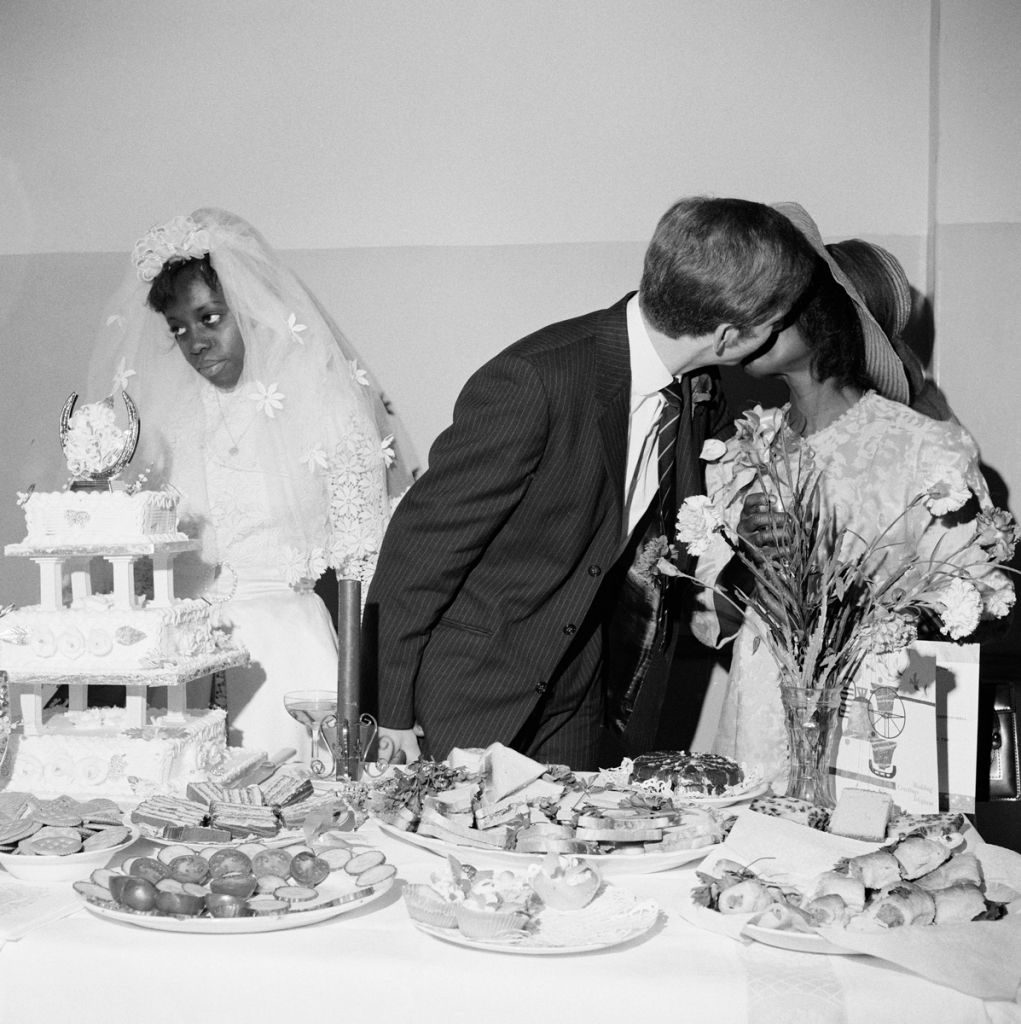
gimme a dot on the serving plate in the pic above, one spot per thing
(735, 796)
(609, 864)
(798, 942)
(66, 868)
(614, 917)
(336, 897)
(288, 837)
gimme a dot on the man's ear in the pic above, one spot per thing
(724, 337)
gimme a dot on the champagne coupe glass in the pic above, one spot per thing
(310, 707)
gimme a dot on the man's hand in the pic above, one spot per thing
(399, 746)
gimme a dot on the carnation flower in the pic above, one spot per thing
(998, 533)
(960, 607)
(697, 520)
(946, 495)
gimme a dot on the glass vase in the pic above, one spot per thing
(812, 722)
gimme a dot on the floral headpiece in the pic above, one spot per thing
(179, 239)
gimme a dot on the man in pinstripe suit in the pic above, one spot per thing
(503, 564)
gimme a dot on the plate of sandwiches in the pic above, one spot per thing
(506, 808)
(213, 814)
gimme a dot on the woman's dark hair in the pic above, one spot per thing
(828, 319)
(168, 281)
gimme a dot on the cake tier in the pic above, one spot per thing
(94, 637)
(90, 752)
(97, 517)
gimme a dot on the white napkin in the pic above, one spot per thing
(979, 958)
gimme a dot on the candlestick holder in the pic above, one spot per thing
(349, 745)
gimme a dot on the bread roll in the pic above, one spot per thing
(747, 897)
(958, 903)
(876, 870)
(918, 856)
(961, 868)
(851, 890)
(902, 905)
(827, 910)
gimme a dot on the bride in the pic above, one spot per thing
(257, 411)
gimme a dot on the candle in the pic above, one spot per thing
(349, 614)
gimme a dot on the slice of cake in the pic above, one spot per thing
(861, 814)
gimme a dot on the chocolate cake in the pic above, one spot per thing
(700, 774)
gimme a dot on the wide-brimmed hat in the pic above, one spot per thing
(881, 360)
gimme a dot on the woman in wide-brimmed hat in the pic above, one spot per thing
(848, 418)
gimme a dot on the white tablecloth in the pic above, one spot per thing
(373, 964)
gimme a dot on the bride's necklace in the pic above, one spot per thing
(235, 445)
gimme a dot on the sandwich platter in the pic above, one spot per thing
(610, 864)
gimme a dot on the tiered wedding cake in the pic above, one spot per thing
(120, 637)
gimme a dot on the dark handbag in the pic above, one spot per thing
(1004, 771)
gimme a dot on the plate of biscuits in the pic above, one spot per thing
(55, 840)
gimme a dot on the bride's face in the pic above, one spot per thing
(206, 332)
(785, 353)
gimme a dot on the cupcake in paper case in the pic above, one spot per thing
(425, 904)
(565, 883)
(479, 920)
(496, 904)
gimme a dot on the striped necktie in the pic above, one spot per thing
(669, 423)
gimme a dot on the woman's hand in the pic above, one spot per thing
(766, 531)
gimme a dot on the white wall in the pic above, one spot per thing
(977, 293)
(451, 174)
(340, 123)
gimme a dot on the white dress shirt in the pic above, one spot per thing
(648, 377)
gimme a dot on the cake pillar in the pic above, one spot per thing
(77, 696)
(177, 702)
(123, 581)
(163, 580)
(135, 707)
(81, 579)
(31, 701)
(51, 583)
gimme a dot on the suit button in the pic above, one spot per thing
(570, 629)
(540, 688)
(594, 570)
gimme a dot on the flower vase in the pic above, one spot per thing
(812, 723)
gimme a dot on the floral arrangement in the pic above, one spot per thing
(825, 599)
(93, 443)
(179, 239)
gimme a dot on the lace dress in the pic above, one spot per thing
(283, 624)
(875, 459)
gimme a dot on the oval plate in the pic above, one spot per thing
(609, 864)
(333, 901)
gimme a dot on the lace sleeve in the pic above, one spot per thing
(359, 506)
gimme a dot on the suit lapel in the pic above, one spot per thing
(613, 390)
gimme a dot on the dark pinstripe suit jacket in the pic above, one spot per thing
(488, 583)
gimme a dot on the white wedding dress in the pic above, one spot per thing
(875, 458)
(287, 631)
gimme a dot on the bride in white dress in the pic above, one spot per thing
(255, 408)
(848, 416)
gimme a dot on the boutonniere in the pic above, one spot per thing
(701, 390)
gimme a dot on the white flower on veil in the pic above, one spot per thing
(121, 375)
(387, 448)
(315, 458)
(360, 375)
(268, 399)
(295, 328)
